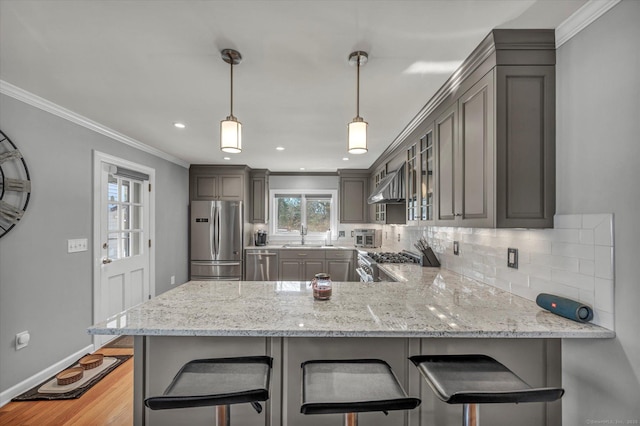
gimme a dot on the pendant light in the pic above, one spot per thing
(231, 128)
(357, 129)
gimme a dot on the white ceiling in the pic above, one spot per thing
(139, 66)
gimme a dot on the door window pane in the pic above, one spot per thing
(112, 217)
(124, 217)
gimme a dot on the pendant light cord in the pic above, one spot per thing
(358, 88)
(231, 64)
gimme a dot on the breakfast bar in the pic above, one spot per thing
(429, 311)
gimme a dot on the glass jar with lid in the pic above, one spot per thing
(322, 287)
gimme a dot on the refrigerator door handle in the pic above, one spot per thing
(218, 209)
(212, 231)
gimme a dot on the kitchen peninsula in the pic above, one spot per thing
(433, 311)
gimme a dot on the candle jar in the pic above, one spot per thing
(321, 285)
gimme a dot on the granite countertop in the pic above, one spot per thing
(439, 303)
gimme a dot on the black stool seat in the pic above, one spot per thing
(478, 379)
(352, 386)
(217, 381)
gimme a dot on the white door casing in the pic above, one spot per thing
(124, 254)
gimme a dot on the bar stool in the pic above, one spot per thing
(477, 379)
(350, 387)
(217, 382)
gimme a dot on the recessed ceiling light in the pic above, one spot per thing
(227, 158)
(301, 168)
(280, 148)
(345, 159)
(179, 125)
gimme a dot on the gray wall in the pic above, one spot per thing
(598, 158)
(44, 289)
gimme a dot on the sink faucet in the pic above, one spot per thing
(303, 232)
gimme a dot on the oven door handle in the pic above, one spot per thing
(364, 277)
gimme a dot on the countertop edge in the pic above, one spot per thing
(604, 334)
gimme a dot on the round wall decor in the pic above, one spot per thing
(15, 185)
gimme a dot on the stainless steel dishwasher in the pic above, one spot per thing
(261, 265)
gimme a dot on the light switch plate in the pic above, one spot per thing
(76, 245)
(512, 258)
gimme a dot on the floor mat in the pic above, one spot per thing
(33, 394)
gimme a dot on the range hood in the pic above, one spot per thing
(390, 190)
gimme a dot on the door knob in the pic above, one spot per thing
(106, 260)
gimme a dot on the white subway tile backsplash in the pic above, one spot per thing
(526, 292)
(558, 262)
(604, 294)
(574, 260)
(581, 251)
(603, 318)
(586, 236)
(547, 286)
(603, 233)
(587, 267)
(566, 235)
(535, 246)
(591, 221)
(572, 279)
(604, 262)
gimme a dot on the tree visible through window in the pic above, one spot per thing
(314, 211)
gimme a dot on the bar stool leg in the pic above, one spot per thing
(351, 419)
(470, 415)
(223, 415)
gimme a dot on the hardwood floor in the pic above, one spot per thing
(109, 402)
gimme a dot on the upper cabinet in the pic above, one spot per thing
(465, 146)
(481, 153)
(259, 189)
(378, 211)
(210, 183)
(354, 190)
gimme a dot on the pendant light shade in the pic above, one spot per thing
(357, 129)
(231, 128)
(231, 135)
(358, 136)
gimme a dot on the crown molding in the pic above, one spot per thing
(584, 16)
(48, 106)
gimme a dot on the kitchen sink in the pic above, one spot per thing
(303, 245)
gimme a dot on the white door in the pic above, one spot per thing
(122, 221)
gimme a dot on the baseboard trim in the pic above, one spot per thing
(27, 384)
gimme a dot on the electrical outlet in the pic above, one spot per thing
(76, 245)
(22, 340)
(173, 279)
(398, 237)
(456, 248)
(512, 258)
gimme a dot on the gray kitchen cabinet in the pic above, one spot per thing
(211, 182)
(300, 264)
(493, 137)
(259, 187)
(340, 265)
(379, 210)
(354, 191)
(465, 145)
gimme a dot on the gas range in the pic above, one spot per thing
(368, 269)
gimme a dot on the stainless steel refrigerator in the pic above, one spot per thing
(216, 240)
